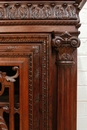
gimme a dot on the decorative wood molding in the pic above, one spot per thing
(65, 44)
(39, 22)
(28, 10)
(21, 38)
(30, 89)
(82, 2)
(29, 50)
(34, 11)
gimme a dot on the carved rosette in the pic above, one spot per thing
(65, 44)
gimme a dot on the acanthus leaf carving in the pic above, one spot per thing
(66, 57)
(23, 12)
(37, 11)
(1, 12)
(12, 13)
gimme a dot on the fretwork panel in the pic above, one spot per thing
(8, 107)
(12, 102)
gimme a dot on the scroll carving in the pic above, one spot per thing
(37, 11)
(12, 78)
(4, 79)
(65, 12)
(3, 125)
(9, 78)
(65, 44)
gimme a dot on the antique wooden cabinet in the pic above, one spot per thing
(38, 64)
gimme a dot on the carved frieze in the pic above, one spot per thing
(37, 11)
(65, 44)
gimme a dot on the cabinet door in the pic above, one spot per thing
(30, 90)
(14, 93)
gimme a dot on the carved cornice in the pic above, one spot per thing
(82, 2)
(65, 44)
(39, 10)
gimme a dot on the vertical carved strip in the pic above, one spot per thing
(44, 88)
(45, 70)
(47, 82)
(30, 93)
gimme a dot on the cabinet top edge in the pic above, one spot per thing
(80, 2)
(36, 1)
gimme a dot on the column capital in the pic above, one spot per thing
(65, 44)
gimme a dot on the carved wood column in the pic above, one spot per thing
(66, 45)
